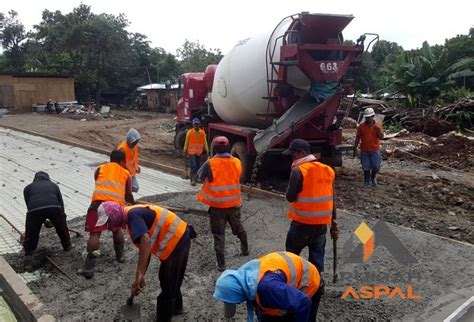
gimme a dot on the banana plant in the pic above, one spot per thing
(424, 77)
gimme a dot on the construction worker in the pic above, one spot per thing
(194, 145)
(221, 191)
(130, 147)
(44, 202)
(156, 231)
(311, 195)
(280, 286)
(369, 134)
(112, 183)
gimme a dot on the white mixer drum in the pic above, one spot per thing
(240, 81)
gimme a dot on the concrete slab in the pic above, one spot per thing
(23, 303)
(22, 155)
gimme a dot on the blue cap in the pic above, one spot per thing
(196, 121)
(298, 145)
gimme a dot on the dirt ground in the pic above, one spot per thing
(432, 197)
(100, 299)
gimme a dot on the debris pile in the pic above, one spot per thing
(450, 149)
(75, 109)
(433, 121)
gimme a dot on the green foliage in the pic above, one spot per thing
(465, 119)
(12, 36)
(394, 127)
(425, 77)
(456, 93)
(194, 57)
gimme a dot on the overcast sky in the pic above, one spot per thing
(220, 24)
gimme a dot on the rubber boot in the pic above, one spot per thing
(178, 305)
(89, 264)
(244, 245)
(28, 263)
(220, 262)
(366, 178)
(193, 179)
(119, 253)
(67, 246)
(164, 310)
(373, 178)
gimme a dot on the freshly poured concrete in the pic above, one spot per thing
(22, 155)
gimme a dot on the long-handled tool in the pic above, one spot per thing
(131, 311)
(47, 257)
(184, 210)
(335, 275)
(187, 210)
(49, 224)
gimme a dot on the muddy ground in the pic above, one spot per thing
(433, 197)
(437, 273)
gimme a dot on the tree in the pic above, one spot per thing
(424, 77)
(94, 49)
(165, 65)
(12, 36)
(384, 52)
(194, 57)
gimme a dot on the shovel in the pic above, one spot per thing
(131, 311)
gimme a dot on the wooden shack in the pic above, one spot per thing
(161, 97)
(22, 90)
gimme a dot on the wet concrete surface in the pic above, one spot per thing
(443, 268)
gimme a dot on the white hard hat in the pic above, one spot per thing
(369, 112)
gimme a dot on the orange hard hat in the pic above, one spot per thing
(220, 140)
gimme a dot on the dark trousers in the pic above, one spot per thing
(171, 277)
(313, 236)
(291, 318)
(195, 161)
(218, 219)
(34, 221)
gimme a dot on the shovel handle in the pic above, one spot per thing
(130, 300)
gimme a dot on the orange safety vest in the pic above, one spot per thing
(131, 157)
(299, 273)
(111, 183)
(196, 142)
(165, 232)
(224, 190)
(314, 204)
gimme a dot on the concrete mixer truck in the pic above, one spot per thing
(273, 88)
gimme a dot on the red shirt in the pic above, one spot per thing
(369, 140)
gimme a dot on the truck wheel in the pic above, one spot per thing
(239, 150)
(179, 139)
(331, 158)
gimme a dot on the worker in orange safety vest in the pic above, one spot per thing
(221, 192)
(194, 146)
(311, 195)
(132, 163)
(159, 232)
(280, 286)
(112, 183)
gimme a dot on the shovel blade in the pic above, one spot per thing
(131, 312)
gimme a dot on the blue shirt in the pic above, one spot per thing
(273, 292)
(140, 220)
